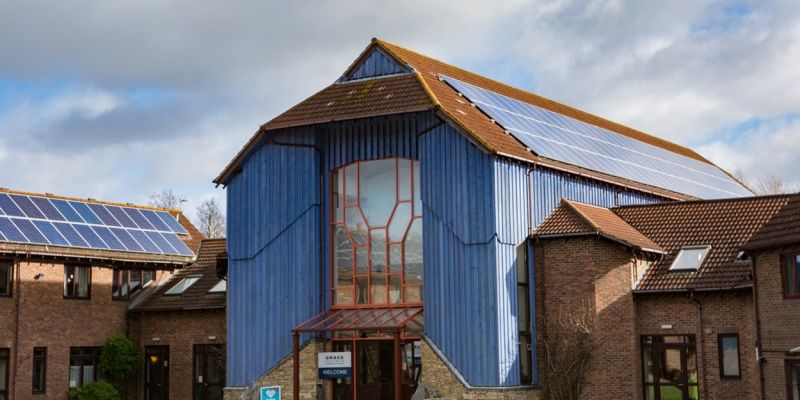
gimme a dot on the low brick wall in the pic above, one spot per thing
(281, 376)
(441, 383)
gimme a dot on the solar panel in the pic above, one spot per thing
(568, 140)
(27, 206)
(11, 232)
(66, 210)
(9, 207)
(171, 222)
(50, 221)
(47, 208)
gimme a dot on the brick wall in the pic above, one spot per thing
(572, 274)
(780, 322)
(180, 330)
(722, 312)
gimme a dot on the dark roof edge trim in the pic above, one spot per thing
(598, 234)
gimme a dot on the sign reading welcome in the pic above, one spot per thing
(334, 365)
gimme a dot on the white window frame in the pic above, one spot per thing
(672, 268)
(183, 285)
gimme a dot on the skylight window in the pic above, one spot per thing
(690, 258)
(220, 287)
(184, 284)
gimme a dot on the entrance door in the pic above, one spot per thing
(670, 368)
(156, 373)
(209, 371)
(373, 370)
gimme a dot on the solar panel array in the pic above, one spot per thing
(71, 223)
(558, 137)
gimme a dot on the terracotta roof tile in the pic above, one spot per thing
(725, 225)
(781, 230)
(196, 296)
(574, 218)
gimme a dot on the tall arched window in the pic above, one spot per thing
(377, 233)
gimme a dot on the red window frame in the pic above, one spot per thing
(795, 276)
(415, 215)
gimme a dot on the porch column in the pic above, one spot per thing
(398, 370)
(296, 366)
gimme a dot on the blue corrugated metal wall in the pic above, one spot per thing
(476, 211)
(459, 253)
(377, 64)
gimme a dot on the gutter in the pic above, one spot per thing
(701, 351)
(757, 317)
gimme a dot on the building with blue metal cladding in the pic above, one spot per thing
(411, 185)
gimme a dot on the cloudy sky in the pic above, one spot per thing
(118, 99)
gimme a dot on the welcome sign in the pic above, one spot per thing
(271, 393)
(334, 365)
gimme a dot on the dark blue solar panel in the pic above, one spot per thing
(565, 139)
(9, 207)
(49, 211)
(66, 210)
(26, 227)
(162, 243)
(69, 233)
(2, 237)
(142, 239)
(126, 239)
(11, 232)
(50, 232)
(140, 220)
(90, 236)
(86, 213)
(27, 206)
(121, 216)
(177, 243)
(111, 241)
(103, 214)
(154, 219)
(173, 223)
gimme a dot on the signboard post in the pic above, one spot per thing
(271, 393)
(335, 365)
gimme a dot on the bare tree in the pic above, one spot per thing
(166, 198)
(211, 219)
(568, 346)
(766, 185)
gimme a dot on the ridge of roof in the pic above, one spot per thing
(540, 101)
(690, 203)
(89, 200)
(612, 226)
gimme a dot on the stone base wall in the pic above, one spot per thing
(281, 376)
(441, 383)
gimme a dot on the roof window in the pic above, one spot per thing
(690, 258)
(220, 287)
(184, 284)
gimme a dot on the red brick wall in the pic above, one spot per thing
(573, 272)
(722, 312)
(780, 322)
(180, 330)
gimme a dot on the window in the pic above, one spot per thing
(690, 258)
(523, 314)
(184, 284)
(220, 287)
(4, 363)
(148, 276)
(77, 282)
(791, 276)
(792, 379)
(6, 278)
(669, 367)
(83, 363)
(125, 283)
(729, 364)
(376, 226)
(39, 380)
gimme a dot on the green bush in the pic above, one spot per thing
(120, 359)
(100, 390)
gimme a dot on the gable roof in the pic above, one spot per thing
(573, 218)
(196, 297)
(725, 225)
(105, 256)
(782, 229)
(440, 97)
